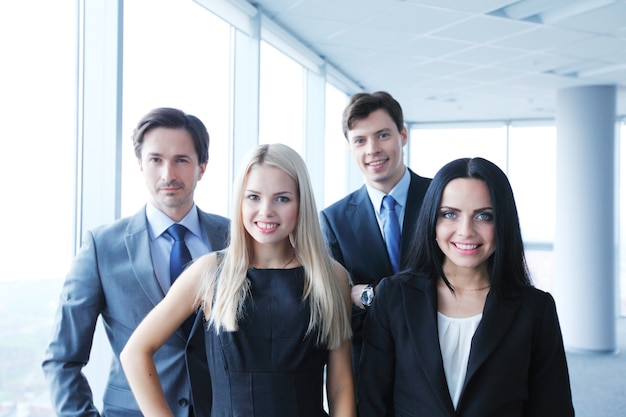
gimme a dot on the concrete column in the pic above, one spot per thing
(585, 241)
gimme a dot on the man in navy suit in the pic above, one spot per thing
(373, 125)
(123, 270)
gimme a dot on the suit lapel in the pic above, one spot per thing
(137, 242)
(214, 232)
(360, 214)
(497, 317)
(420, 305)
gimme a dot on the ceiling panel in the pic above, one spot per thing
(457, 60)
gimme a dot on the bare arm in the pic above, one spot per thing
(339, 379)
(151, 334)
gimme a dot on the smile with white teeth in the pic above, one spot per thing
(376, 163)
(465, 246)
(267, 226)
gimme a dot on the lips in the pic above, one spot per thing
(377, 163)
(267, 227)
(466, 246)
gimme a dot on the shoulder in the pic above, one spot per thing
(418, 181)
(403, 280)
(209, 260)
(340, 205)
(119, 227)
(213, 219)
(532, 296)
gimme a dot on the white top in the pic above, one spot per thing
(455, 340)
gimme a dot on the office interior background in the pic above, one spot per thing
(476, 78)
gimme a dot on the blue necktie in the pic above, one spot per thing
(180, 256)
(391, 231)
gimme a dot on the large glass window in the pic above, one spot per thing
(185, 66)
(336, 152)
(281, 99)
(532, 172)
(38, 102)
(433, 146)
(511, 149)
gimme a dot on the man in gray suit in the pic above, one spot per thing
(123, 270)
(373, 125)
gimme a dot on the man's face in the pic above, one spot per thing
(376, 145)
(169, 164)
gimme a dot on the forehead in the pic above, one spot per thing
(266, 177)
(165, 140)
(466, 193)
(375, 121)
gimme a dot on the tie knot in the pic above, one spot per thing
(177, 231)
(389, 203)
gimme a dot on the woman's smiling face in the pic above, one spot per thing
(465, 228)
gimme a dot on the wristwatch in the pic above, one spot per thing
(367, 296)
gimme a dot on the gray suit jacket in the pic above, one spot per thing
(112, 277)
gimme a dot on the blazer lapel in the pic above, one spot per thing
(137, 242)
(360, 213)
(497, 317)
(214, 231)
(421, 318)
(413, 204)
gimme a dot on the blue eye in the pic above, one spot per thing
(485, 216)
(447, 214)
(283, 199)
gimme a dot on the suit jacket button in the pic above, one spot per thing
(183, 402)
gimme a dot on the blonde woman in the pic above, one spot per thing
(276, 306)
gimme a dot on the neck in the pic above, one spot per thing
(277, 258)
(476, 279)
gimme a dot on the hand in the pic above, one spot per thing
(356, 295)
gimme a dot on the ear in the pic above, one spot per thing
(202, 170)
(405, 136)
(140, 165)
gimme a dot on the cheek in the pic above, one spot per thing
(246, 212)
(489, 234)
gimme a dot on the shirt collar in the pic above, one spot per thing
(399, 192)
(159, 222)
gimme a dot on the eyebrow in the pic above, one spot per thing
(250, 190)
(475, 211)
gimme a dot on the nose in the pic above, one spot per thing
(372, 146)
(168, 172)
(466, 226)
(266, 208)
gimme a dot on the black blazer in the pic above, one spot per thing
(355, 240)
(517, 364)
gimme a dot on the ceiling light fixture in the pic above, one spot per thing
(548, 11)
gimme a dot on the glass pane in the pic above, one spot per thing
(186, 66)
(535, 191)
(622, 219)
(38, 100)
(336, 146)
(535, 188)
(432, 148)
(281, 98)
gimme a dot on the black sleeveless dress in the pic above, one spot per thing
(269, 367)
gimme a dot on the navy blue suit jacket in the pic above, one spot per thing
(355, 240)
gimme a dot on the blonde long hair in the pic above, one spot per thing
(329, 313)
